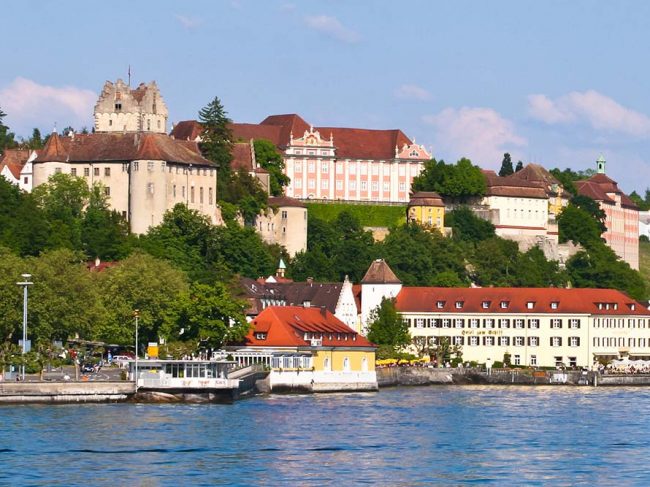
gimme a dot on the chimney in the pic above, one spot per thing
(323, 311)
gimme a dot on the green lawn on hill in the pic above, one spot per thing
(644, 261)
(368, 215)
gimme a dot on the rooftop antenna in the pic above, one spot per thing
(129, 75)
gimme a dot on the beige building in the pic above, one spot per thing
(143, 174)
(123, 109)
(284, 223)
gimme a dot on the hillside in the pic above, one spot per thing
(368, 215)
(644, 261)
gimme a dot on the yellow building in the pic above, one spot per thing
(427, 209)
(309, 349)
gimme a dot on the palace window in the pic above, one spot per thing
(504, 341)
(574, 323)
(533, 341)
(310, 166)
(519, 341)
(364, 185)
(325, 168)
(419, 322)
(297, 166)
(339, 184)
(554, 304)
(473, 323)
(174, 191)
(86, 171)
(325, 184)
(459, 304)
(533, 323)
(440, 304)
(375, 186)
(96, 171)
(488, 323)
(402, 186)
(573, 362)
(473, 341)
(298, 184)
(446, 323)
(489, 341)
(574, 341)
(458, 340)
(311, 184)
(459, 323)
(504, 323)
(485, 304)
(504, 304)
(556, 323)
(519, 323)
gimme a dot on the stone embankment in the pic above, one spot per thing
(65, 392)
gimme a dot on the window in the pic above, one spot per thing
(473, 341)
(346, 364)
(339, 184)
(25, 180)
(260, 336)
(473, 323)
(459, 323)
(488, 323)
(364, 185)
(183, 191)
(325, 184)
(419, 322)
(556, 341)
(458, 340)
(57, 170)
(504, 341)
(485, 304)
(488, 341)
(210, 199)
(554, 304)
(386, 186)
(73, 171)
(402, 186)
(107, 190)
(148, 124)
(107, 171)
(118, 107)
(556, 323)
(192, 194)
(298, 183)
(446, 323)
(375, 186)
(150, 188)
(517, 359)
(150, 166)
(573, 362)
(519, 341)
(174, 191)
(533, 341)
(95, 171)
(201, 195)
(86, 171)
(504, 323)
(440, 304)
(284, 214)
(534, 323)
(574, 341)
(136, 165)
(325, 168)
(519, 323)
(574, 324)
(504, 304)
(558, 361)
(125, 167)
(310, 166)
(459, 304)
(298, 166)
(533, 360)
(339, 168)
(353, 185)
(311, 184)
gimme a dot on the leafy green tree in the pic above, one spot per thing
(593, 208)
(216, 144)
(246, 192)
(268, 157)
(244, 252)
(313, 263)
(568, 177)
(6, 137)
(578, 226)
(321, 234)
(210, 315)
(11, 267)
(144, 283)
(422, 258)
(535, 270)
(460, 181)
(104, 232)
(467, 226)
(506, 166)
(495, 262)
(387, 327)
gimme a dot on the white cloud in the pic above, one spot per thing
(596, 109)
(188, 22)
(332, 27)
(412, 92)
(481, 134)
(29, 104)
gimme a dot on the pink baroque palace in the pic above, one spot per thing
(334, 163)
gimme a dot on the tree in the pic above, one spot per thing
(387, 327)
(11, 267)
(246, 192)
(578, 226)
(104, 232)
(216, 143)
(313, 263)
(268, 157)
(506, 166)
(6, 137)
(520, 166)
(495, 262)
(467, 226)
(535, 270)
(211, 316)
(593, 208)
(36, 140)
(460, 181)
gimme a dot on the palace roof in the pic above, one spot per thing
(121, 147)
(516, 300)
(600, 186)
(286, 326)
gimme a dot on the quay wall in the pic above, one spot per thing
(62, 392)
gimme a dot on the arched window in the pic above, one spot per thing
(346, 364)
(326, 364)
(364, 364)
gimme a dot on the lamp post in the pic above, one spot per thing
(25, 284)
(136, 314)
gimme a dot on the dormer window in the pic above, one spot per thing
(260, 336)
(485, 304)
(459, 304)
(530, 304)
(554, 304)
(504, 304)
(440, 304)
(632, 306)
(615, 305)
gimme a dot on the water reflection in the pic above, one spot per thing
(404, 436)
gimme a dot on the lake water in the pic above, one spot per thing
(401, 436)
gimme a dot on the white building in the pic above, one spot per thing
(16, 167)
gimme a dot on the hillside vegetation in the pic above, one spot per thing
(368, 215)
(644, 261)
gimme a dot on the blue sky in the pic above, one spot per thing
(551, 82)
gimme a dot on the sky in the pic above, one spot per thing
(557, 83)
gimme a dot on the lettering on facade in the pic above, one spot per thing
(482, 332)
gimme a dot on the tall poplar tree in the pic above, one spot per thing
(216, 142)
(506, 166)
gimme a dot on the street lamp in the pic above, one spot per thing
(136, 314)
(25, 284)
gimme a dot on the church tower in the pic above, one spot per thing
(122, 109)
(600, 165)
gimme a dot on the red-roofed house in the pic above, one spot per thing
(622, 221)
(334, 163)
(535, 326)
(310, 349)
(16, 167)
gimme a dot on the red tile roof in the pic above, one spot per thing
(380, 273)
(599, 185)
(513, 187)
(187, 130)
(280, 201)
(285, 326)
(14, 160)
(121, 147)
(426, 299)
(247, 131)
(426, 198)
(537, 174)
(593, 191)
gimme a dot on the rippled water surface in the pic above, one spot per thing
(403, 436)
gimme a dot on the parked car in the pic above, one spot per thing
(121, 361)
(87, 368)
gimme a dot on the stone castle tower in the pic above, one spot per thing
(122, 109)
